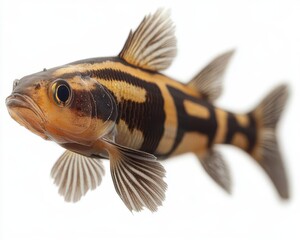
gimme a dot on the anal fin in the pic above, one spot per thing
(75, 174)
(217, 169)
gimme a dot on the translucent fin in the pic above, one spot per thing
(267, 152)
(75, 174)
(152, 45)
(209, 81)
(215, 166)
(137, 176)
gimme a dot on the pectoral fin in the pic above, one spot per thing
(75, 174)
(216, 167)
(137, 177)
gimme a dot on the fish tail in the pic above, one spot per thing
(266, 150)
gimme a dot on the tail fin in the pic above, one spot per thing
(266, 151)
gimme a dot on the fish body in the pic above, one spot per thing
(123, 109)
(179, 118)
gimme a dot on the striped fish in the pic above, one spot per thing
(122, 109)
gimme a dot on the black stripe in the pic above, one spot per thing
(187, 123)
(252, 132)
(105, 106)
(148, 117)
(231, 127)
(95, 103)
(82, 103)
(234, 127)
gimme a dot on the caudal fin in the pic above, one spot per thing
(266, 151)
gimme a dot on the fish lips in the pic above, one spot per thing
(26, 112)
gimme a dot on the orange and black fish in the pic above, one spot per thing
(122, 109)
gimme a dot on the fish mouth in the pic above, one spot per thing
(27, 113)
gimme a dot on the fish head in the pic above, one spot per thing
(65, 109)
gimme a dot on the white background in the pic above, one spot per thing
(45, 34)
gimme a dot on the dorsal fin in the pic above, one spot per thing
(152, 45)
(209, 81)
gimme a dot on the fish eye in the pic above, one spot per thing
(62, 93)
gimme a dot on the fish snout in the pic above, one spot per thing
(17, 100)
(24, 111)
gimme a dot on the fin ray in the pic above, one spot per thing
(152, 45)
(214, 164)
(266, 152)
(209, 81)
(75, 174)
(137, 177)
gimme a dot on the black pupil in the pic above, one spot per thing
(63, 93)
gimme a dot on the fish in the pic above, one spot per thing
(123, 109)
